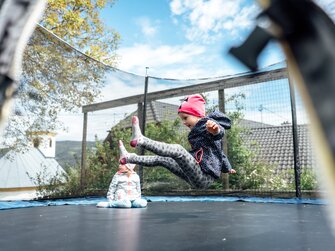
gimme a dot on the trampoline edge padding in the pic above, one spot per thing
(94, 200)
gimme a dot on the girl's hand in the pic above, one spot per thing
(212, 127)
(231, 171)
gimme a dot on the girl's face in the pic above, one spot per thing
(123, 169)
(188, 120)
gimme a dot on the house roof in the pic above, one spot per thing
(275, 145)
(253, 124)
(18, 169)
(156, 112)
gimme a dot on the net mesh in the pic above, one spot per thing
(259, 145)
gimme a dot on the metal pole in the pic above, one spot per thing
(145, 100)
(144, 112)
(83, 154)
(297, 164)
(225, 176)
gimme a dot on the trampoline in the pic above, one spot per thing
(174, 225)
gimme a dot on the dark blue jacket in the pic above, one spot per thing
(207, 148)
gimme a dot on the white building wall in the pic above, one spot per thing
(45, 142)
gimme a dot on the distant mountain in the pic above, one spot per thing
(69, 152)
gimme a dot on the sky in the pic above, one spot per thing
(182, 39)
(177, 39)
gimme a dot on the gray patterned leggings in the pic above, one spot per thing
(175, 158)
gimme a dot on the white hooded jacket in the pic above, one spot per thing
(124, 187)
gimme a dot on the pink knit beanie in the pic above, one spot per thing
(193, 105)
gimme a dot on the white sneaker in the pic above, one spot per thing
(104, 204)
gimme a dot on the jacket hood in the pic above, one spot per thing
(221, 118)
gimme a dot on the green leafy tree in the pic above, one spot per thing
(308, 179)
(251, 173)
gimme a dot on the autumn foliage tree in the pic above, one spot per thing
(63, 67)
(78, 23)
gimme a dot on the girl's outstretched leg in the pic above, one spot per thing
(188, 171)
(151, 161)
(185, 161)
(157, 147)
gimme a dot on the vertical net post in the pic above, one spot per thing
(297, 167)
(145, 104)
(225, 176)
(141, 151)
(143, 121)
(83, 154)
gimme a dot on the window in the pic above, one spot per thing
(36, 142)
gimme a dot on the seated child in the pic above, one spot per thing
(125, 189)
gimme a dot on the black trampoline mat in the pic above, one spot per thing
(168, 226)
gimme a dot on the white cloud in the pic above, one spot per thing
(177, 7)
(208, 20)
(118, 87)
(158, 58)
(147, 27)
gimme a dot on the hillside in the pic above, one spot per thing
(69, 152)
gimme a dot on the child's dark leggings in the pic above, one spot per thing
(176, 159)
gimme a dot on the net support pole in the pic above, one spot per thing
(297, 164)
(140, 151)
(143, 119)
(83, 153)
(146, 82)
(225, 176)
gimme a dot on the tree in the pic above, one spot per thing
(78, 23)
(56, 77)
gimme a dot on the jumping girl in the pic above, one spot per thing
(204, 163)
